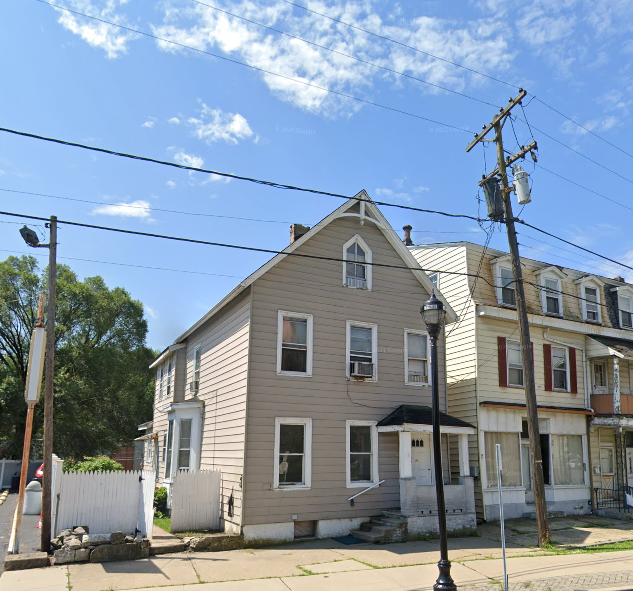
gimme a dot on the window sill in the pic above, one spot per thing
(354, 287)
(515, 387)
(551, 315)
(295, 487)
(362, 380)
(594, 322)
(496, 488)
(561, 390)
(294, 374)
(365, 484)
(418, 384)
(508, 306)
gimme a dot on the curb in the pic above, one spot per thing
(3, 496)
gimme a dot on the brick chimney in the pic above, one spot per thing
(297, 230)
(407, 235)
(618, 278)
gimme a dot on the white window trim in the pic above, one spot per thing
(309, 341)
(566, 349)
(193, 368)
(508, 365)
(606, 376)
(437, 274)
(368, 259)
(559, 289)
(625, 291)
(307, 453)
(170, 380)
(499, 288)
(583, 304)
(159, 378)
(195, 443)
(407, 332)
(374, 346)
(374, 454)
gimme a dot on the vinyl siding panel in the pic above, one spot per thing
(328, 398)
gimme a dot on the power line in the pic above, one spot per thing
(384, 38)
(347, 55)
(234, 61)
(584, 128)
(229, 175)
(132, 206)
(232, 246)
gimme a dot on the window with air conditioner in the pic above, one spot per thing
(416, 347)
(293, 453)
(361, 351)
(508, 295)
(194, 386)
(362, 453)
(294, 344)
(357, 268)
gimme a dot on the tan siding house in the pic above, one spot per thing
(582, 341)
(310, 383)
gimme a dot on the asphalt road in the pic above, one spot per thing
(7, 509)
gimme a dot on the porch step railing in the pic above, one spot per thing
(351, 499)
(613, 498)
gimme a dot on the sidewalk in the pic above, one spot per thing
(325, 564)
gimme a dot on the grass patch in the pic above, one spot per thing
(164, 523)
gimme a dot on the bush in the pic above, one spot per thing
(98, 464)
(160, 502)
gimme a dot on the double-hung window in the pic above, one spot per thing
(293, 453)
(416, 358)
(362, 453)
(361, 350)
(357, 269)
(508, 295)
(559, 368)
(197, 361)
(515, 363)
(625, 303)
(592, 312)
(552, 303)
(161, 382)
(294, 343)
(169, 368)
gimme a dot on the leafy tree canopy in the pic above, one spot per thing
(103, 387)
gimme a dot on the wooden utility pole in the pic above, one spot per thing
(49, 374)
(524, 327)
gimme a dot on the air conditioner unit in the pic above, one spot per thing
(361, 369)
(194, 386)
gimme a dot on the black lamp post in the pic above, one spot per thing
(433, 315)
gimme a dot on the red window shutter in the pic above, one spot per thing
(573, 375)
(547, 358)
(503, 361)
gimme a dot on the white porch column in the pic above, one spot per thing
(464, 460)
(617, 406)
(406, 470)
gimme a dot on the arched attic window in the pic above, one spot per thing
(356, 272)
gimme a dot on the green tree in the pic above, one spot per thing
(103, 387)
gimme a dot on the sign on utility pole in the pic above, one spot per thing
(500, 209)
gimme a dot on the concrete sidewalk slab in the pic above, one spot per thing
(49, 579)
(259, 585)
(336, 567)
(161, 570)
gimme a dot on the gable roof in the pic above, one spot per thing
(409, 414)
(367, 207)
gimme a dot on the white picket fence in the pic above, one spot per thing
(195, 501)
(106, 501)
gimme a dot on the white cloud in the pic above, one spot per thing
(421, 189)
(394, 195)
(595, 125)
(136, 209)
(181, 157)
(149, 124)
(113, 40)
(214, 125)
(480, 44)
(174, 121)
(150, 311)
(171, 184)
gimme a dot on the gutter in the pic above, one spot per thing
(584, 366)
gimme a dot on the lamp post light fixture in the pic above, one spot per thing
(433, 315)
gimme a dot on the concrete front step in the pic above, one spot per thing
(369, 536)
(167, 547)
(394, 514)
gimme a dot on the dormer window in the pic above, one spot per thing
(552, 296)
(357, 270)
(625, 303)
(589, 292)
(591, 304)
(508, 295)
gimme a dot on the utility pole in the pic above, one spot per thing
(524, 328)
(45, 541)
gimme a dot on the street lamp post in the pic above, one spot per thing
(433, 315)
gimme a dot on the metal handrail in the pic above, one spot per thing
(351, 499)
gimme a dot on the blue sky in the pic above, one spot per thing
(68, 77)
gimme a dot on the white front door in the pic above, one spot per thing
(422, 467)
(629, 465)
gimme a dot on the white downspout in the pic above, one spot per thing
(584, 365)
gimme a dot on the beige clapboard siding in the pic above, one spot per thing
(489, 329)
(224, 342)
(316, 288)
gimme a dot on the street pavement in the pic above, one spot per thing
(7, 509)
